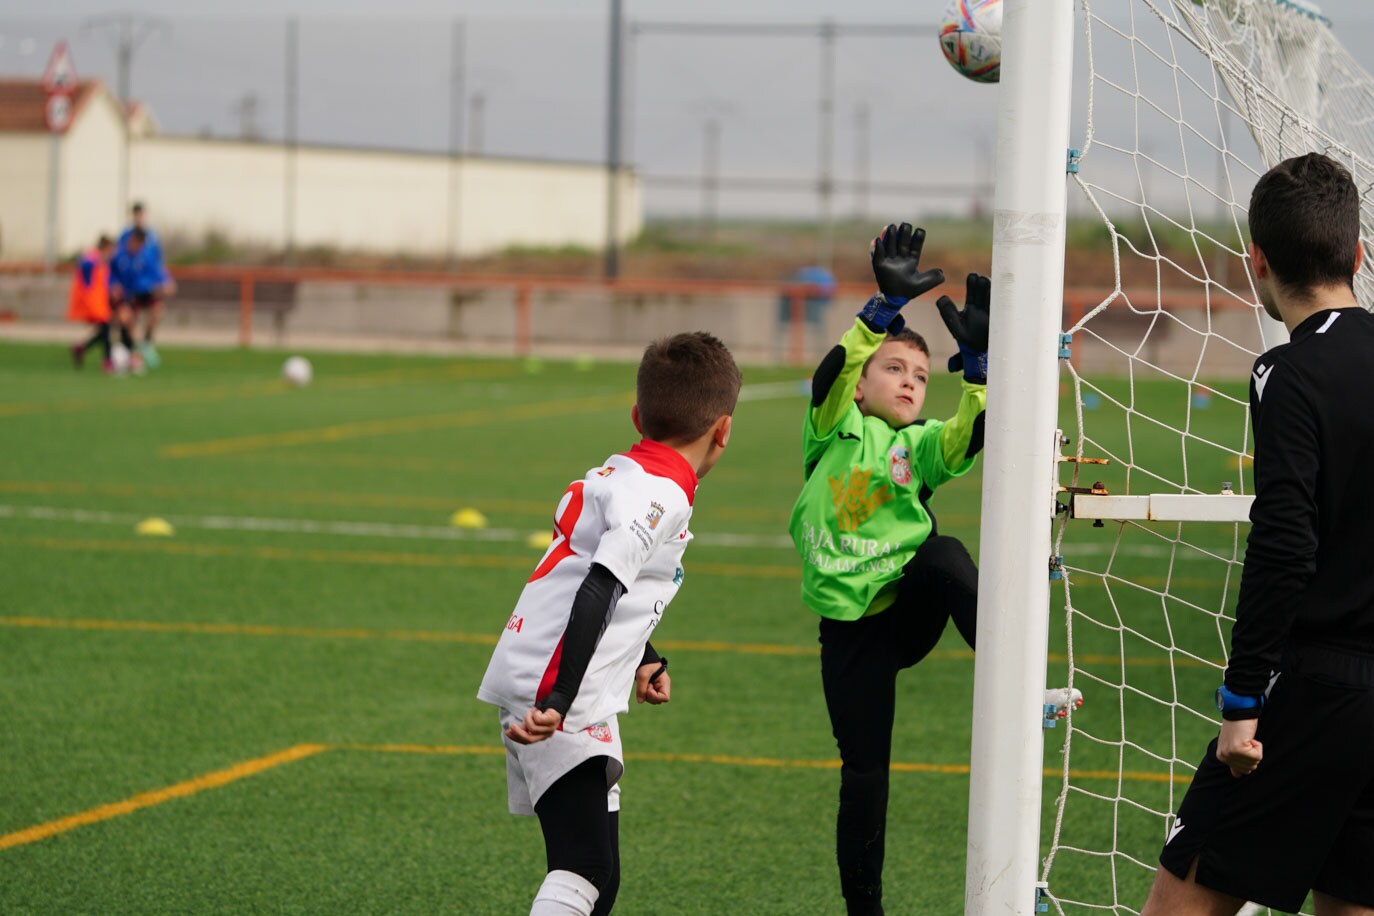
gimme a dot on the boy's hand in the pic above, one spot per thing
(969, 328)
(652, 684)
(1237, 747)
(539, 724)
(896, 255)
(897, 264)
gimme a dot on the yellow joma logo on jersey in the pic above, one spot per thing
(853, 502)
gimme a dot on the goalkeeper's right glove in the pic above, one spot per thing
(896, 256)
(969, 328)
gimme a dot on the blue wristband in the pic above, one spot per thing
(1238, 706)
(975, 365)
(882, 313)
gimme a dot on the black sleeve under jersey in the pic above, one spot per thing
(1281, 553)
(591, 611)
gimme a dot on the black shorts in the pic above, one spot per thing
(1304, 820)
(139, 301)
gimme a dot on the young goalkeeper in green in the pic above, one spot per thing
(874, 568)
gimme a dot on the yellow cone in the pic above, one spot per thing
(540, 540)
(154, 528)
(468, 518)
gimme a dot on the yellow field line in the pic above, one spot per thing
(221, 778)
(147, 799)
(275, 387)
(714, 647)
(951, 769)
(363, 557)
(306, 497)
(392, 425)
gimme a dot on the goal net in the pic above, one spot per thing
(1180, 107)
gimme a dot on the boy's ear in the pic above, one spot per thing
(1260, 262)
(1359, 256)
(634, 418)
(720, 433)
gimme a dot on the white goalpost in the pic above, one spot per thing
(1117, 476)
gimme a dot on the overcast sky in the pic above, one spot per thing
(380, 73)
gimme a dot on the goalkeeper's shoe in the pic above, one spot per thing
(1059, 700)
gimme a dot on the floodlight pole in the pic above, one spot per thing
(130, 31)
(457, 52)
(617, 42)
(292, 71)
(1007, 765)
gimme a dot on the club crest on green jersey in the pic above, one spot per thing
(899, 465)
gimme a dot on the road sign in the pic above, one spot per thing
(59, 112)
(60, 74)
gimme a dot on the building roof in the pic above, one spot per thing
(23, 104)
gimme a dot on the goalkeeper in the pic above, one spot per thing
(883, 581)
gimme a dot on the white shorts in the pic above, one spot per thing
(532, 768)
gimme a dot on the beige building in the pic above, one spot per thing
(268, 195)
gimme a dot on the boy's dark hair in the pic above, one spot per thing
(138, 235)
(906, 336)
(1305, 217)
(137, 207)
(685, 383)
(104, 241)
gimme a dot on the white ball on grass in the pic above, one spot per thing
(297, 371)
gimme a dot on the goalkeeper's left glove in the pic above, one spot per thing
(969, 328)
(896, 256)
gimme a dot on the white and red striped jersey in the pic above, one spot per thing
(630, 515)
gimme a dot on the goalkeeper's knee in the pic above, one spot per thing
(565, 893)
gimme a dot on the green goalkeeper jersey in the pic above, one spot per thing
(863, 511)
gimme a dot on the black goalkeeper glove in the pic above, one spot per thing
(969, 329)
(896, 256)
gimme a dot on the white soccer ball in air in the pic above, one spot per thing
(297, 371)
(971, 37)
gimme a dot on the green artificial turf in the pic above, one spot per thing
(311, 598)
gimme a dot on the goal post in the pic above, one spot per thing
(1006, 778)
(1111, 554)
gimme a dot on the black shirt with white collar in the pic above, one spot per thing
(1309, 564)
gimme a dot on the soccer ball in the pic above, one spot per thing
(297, 371)
(120, 357)
(971, 37)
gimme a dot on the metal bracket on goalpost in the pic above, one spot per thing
(1164, 507)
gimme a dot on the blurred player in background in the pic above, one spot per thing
(89, 299)
(145, 285)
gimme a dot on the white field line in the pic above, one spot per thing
(452, 533)
(356, 529)
(795, 388)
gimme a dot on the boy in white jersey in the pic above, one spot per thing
(578, 640)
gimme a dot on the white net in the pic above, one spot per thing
(1182, 105)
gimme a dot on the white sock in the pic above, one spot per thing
(564, 893)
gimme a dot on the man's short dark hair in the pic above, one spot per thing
(906, 336)
(685, 383)
(1305, 217)
(137, 207)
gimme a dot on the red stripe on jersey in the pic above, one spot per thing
(661, 461)
(550, 676)
(562, 532)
